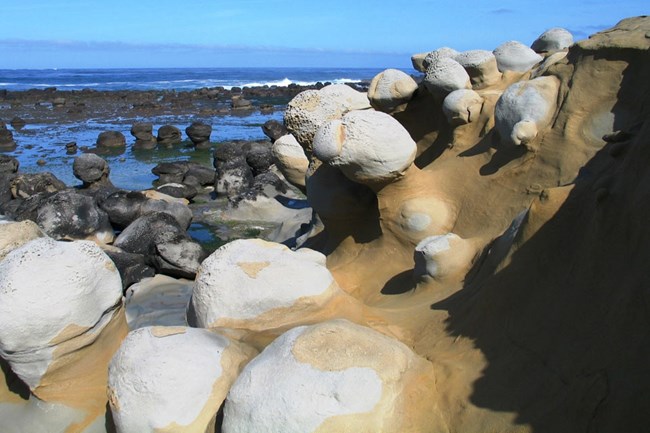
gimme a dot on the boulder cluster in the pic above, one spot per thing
(431, 201)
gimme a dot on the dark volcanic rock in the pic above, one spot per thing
(185, 172)
(259, 157)
(92, 170)
(71, 148)
(132, 267)
(178, 190)
(143, 133)
(170, 172)
(124, 207)
(28, 184)
(70, 215)
(239, 103)
(164, 243)
(112, 139)
(169, 135)
(274, 129)
(7, 140)
(8, 164)
(199, 133)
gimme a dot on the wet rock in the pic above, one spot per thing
(132, 267)
(178, 190)
(143, 133)
(17, 123)
(8, 164)
(28, 184)
(199, 134)
(169, 135)
(111, 139)
(124, 207)
(259, 157)
(71, 148)
(239, 103)
(6, 140)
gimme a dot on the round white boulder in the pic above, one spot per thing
(290, 159)
(515, 56)
(435, 55)
(391, 88)
(50, 292)
(445, 75)
(312, 108)
(555, 39)
(441, 256)
(367, 146)
(171, 379)
(525, 108)
(255, 284)
(462, 106)
(333, 377)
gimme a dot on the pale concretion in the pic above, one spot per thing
(440, 256)
(481, 65)
(515, 56)
(333, 376)
(417, 60)
(247, 278)
(435, 55)
(555, 39)
(170, 379)
(444, 75)
(16, 234)
(367, 146)
(48, 290)
(312, 108)
(391, 88)
(525, 108)
(462, 106)
(290, 159)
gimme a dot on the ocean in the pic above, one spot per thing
(176, 78)
(45, 140)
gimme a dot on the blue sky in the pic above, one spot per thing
(256, 33)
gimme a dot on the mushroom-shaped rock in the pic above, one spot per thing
(555, 39)
(515, 56)
(481, 65)
(6, 140)
(444, 75)
(124, 207)
(435, 55)
(310, 109)
(525, 108)
(55, 300)
(199, 134)
(442, 256)
(462, 106)
(290, 159)
(172, 379)
(111, 139)
(257, 285)
(368, 146)
(390, 88)
(169, 135)
(16, 234)
(334, 377)
(92, 170)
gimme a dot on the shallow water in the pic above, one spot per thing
(130, 169)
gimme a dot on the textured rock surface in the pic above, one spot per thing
(290, 159)
(444, 75)
(91, 170)
(16, 234)
(552, 40)
(481, 66)
(462, 106)
(334, 376)
(111, 139)
(171, 379)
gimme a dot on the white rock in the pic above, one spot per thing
(290, 159)
(525, 108)
(367, 146)
(417, 60)
(250, 278)
(49, 292)
(435, 55)
(310, 109)
(515, 56)
(555, 39)
(445, 75)
(174, 378)
(462, 106)
(391, 88)
(481, 65)
(334, 376)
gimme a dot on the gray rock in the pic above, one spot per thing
(169, 135)
(91, 169)
(199, 134)
(274, 129)
(7, 140)
(28, 184)
(124, 207)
